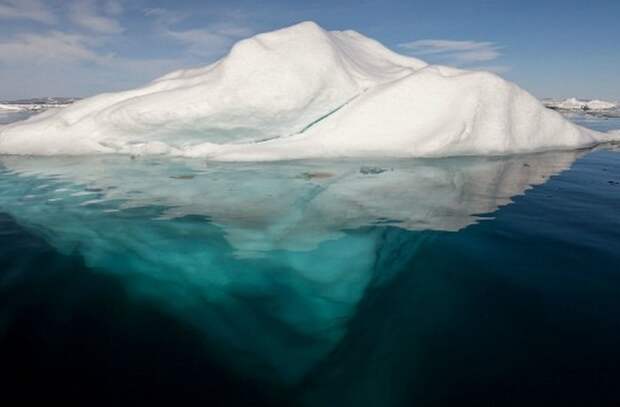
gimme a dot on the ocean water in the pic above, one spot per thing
(482, 281)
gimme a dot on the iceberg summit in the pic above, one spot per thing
(304, 92)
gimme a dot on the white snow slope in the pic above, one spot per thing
(303, 92)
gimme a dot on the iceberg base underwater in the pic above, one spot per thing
(353, 282)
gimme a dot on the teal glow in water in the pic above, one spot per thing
(313, 283)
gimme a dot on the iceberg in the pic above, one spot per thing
(304, 92)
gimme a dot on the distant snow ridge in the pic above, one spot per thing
(598, 108)
(5, 107)
(576, 104)
(303, 92)
(35, 105)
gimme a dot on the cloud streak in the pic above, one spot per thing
(56, 62)
(69, 49)
(456, 52)
(80, 50)
(47, 47)
(87, 14)
(33, 10)
(208, 41)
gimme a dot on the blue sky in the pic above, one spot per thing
(82, 47)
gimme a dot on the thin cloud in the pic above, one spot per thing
(164, 16)
(208, 41)
(70, 49)
(47, 47)
(81, 55)
(57, 62)
(113, 8)
(33, 10)
(87, 14)
(455, 52)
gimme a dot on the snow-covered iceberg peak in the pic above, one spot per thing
(303, 92)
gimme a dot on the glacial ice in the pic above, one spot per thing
(303, 92)
(308, 238)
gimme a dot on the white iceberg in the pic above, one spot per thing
(303, 92)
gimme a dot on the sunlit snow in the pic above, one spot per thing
(303, 92)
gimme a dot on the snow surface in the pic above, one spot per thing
(303, 92)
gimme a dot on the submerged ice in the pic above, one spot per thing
(285, 250)
(303, 92)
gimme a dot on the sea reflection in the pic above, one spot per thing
(295, 205)
(269, 260)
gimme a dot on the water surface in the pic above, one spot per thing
(376, 282)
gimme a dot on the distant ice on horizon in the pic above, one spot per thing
(35, 104)
(593, 107)
(303, 92)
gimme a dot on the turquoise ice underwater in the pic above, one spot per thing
(360, 281)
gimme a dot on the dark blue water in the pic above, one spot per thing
(482, 281)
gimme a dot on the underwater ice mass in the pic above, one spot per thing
(308, 237)
(303, 92)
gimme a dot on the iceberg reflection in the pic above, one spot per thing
(270, 260)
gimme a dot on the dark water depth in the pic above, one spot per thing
(479, 281)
